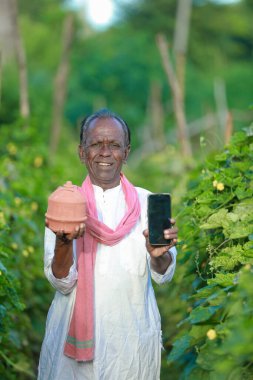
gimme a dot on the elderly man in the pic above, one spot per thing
(104, 323)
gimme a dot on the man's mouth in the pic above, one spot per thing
(104, 164)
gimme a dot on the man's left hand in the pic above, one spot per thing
(170, 233)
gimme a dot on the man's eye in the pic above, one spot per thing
(114, 145)
(95, 145)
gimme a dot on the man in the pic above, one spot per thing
(104, 323)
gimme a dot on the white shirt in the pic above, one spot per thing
(127, 321)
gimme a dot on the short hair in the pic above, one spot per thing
(104, 113)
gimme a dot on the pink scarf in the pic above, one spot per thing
(80, 339)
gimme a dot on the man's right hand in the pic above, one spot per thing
(66, 238)
(63, 253)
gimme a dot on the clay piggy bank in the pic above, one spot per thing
(66, 208)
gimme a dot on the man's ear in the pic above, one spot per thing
(81, 153)
(127, 151)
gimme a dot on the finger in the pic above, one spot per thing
(83, 232)
(157, 252)
(82, 227)
(167, 235)
(63, 237)
(172, 228)
(173, 243)
(79, 231)
(145, 233)
(171, 231)
(74, 234)
(59, 233)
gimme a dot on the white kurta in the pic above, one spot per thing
(127, 321)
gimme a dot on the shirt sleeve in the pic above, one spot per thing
(168, 275)
(64, 285)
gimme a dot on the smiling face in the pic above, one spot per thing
(104, 151)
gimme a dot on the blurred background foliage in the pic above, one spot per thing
(72, 70)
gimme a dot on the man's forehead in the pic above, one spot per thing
(105, 128)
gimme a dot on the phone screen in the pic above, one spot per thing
(159, 214)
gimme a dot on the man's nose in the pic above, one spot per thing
(105, 149)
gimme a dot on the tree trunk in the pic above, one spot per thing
(177, 96)
(60, 83)
(157, 116)
(0, 78)
(181, 40)
(21, 60)
(220, 98)
(6, 31)
(228, 127)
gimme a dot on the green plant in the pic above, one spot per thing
(27, 178)
(216, 267)
(23, 291)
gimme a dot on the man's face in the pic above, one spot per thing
(104, 151)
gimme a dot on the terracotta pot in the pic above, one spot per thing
(66, 208)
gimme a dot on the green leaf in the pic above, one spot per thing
(243, 165)
(221, 157)
(199, 331)
(244, 209)
(228, 258)
(179, 347)
(242, 192)
(233, 217)
(2, 267)
(238, 138)
(206, 197)
(202, 314)
(2, 312)
(207, 357)
(223, 280)
(248, 245)
(241, 231)
(216, 220)
(204, 292)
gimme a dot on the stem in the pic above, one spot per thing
(17, 367)
(197, 268)
(224, 242)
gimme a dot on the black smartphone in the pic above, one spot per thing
(159, 214)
